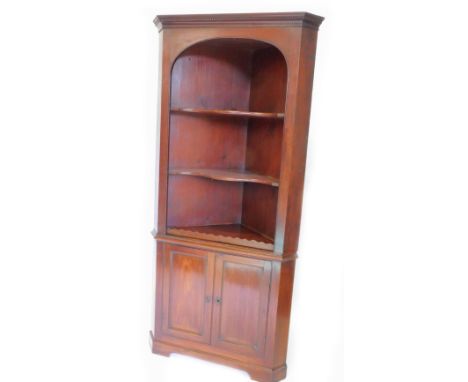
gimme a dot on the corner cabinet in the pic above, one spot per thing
(234, 116)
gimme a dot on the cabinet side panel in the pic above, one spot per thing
(298, 149)
(159, 289)
(164, 105)
(283, 314)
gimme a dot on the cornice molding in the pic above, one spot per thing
(284, 19)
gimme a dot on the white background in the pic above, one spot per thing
(385, 219)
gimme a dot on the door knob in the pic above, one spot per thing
(218, 300)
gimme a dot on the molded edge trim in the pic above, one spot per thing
(280, 19)
(256, 372)
(224, 248)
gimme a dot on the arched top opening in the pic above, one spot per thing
(230, 74)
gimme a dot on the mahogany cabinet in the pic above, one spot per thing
(234, 115)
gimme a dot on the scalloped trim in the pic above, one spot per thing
(220, 238)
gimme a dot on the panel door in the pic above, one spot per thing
(241, 296)
(188, 290)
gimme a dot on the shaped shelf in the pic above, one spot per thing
(226, 233)
(227, 175)
(233, 113)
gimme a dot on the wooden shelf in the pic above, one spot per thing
(233, 113)
(227, 175)
(226, 233)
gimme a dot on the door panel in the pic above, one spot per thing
(188, 290)
(240, 308)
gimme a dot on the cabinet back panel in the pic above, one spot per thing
(201, 142)
(212, 75)
(194, 201)
(259, 208)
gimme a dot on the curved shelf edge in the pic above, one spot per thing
(227, 175)
(234, 113)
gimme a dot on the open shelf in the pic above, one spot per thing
(226, 127)
(227, 175)
(237, 234)
(233, 113)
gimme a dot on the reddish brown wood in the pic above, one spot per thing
(188, 275)
(235, 74)
(295, 145)
(226, 233)
(196, 141)
(194, 201)
(259, 208)
(222, 247)
(268, 92)
(268, 80)
(240, 304)
(212, 76)
(227, 175)
(234, 112)
(229, 113)
(280, 312)
(284, 19)
(256, 372)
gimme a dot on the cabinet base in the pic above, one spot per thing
(256, 372)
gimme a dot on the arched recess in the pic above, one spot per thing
(227, 112)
